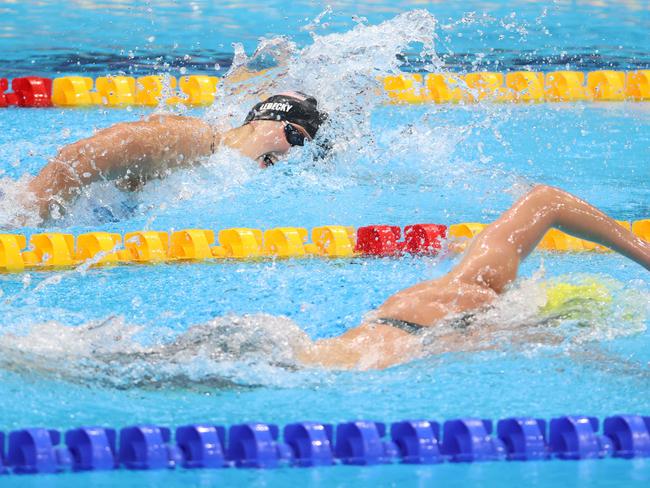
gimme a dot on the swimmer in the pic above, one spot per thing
(132, 153)
(393, 333)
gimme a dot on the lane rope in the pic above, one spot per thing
(200, 90)
(60, 250)
(313, 444)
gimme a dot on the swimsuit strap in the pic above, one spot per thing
(406, 326)
(464, 321)
(213, 144)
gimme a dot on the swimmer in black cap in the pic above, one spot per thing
(132, 153)
(300, 115)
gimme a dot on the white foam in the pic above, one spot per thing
(213, 179)
(17, 204)
(248, 350)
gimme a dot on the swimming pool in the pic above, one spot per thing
(405, 165)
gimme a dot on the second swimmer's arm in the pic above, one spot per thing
(133, 151)
(368, 346)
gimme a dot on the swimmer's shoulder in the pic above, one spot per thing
(174, 119)
(192, 126)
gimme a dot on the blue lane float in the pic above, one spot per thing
(255, 445)
(630, 435)
(470, 440)
(311, 443)
(37, 451)
(575, 437)
(92, 448)
(202, 446)
(417, 441)
(524, 438)
(307, 444)
(361, 442)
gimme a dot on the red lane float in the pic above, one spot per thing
(384, 240)
(378, 240)
(424, 238)
(4, 85)
(32, 91)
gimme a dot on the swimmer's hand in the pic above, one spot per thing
(456, 246)
(260, 82)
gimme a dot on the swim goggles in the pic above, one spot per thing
(293, 135)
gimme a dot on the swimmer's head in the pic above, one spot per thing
(281, 122)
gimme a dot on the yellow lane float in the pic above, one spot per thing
(444, 87)
(99, 246)
(606, 85)
(116, 91)
(638, 85)
(74, 91)
(333, 240)
(525, 86)
(147, 246)
(239, 243)
(484, 86)
(285, 242)
(642, 229)
(405, 88)
(11, 258)
(199, 89)
(191, 244)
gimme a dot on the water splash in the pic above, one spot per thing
(341, 70)
(229, 351)
(17, 205)
(216, 178)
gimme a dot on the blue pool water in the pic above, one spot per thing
(140, 36)
(396, 165)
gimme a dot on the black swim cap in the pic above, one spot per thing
(287, 108)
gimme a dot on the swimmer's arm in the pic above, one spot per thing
(332, 353)
(130, 152)
(368, 346)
